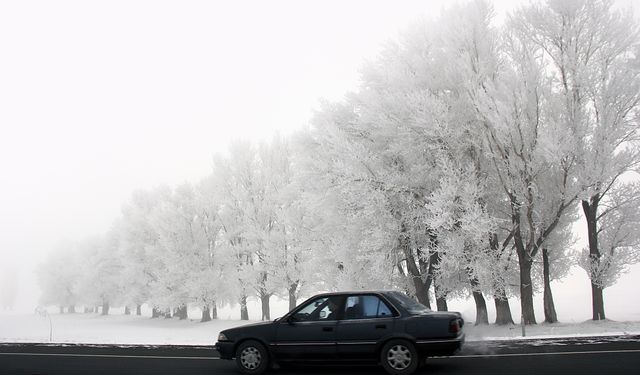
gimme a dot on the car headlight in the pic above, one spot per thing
(222, 337)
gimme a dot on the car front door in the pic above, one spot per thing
(366, 320)
(309, 333)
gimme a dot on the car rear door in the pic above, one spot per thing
(367, 319)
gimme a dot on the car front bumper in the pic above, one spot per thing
(225, 348)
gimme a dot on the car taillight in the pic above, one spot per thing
(454, 326)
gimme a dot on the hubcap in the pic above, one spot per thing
(250, 358)
(399, 357)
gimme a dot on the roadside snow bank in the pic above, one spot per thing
(546, 330)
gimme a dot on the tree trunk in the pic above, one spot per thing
(206, 314)
(526, 291)
(441, 298)
(138, 310)
(598, 302)
(266, 311)
(503, 310)
(417, 266)
(127, 310)
(525, 260)
(244, 312)
(155, 312)
(422, 292)
(71, 309)
(214, 310)
(105, 308)
(182, 313)
(441, 303)
(421, 287)
(293, 299)
(550, 315)
(590, 209)
(61, 309)
(482, 317)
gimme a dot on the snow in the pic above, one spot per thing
(127, 329)
(572, 303)
(555, 330)
(111, 329)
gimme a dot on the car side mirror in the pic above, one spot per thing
(290, 319)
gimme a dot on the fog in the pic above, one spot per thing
(98, 99)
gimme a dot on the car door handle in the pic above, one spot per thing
(381, 326)
(327, 329)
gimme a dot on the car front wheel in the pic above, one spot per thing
(252, 357)
(399, 357)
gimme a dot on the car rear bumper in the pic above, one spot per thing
(438, 347)
(225, 348)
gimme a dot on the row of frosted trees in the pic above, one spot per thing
(460, 168)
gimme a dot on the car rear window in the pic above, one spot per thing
(409, 303)
(366, 307)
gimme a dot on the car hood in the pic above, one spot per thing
(258, 324)
(250, 325)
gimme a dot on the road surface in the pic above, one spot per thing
(589, 355)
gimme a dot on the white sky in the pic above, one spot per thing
(99, 98)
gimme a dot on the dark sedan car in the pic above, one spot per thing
(385, 327)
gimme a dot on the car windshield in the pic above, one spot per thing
(409, 303)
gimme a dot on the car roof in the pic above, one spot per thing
(350, 292)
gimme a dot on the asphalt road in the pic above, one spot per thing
(589, 355)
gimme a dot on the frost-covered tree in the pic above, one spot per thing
(461, 223)
(353, 226)
(291, 237)
(524, 132)
(101, 265)
(139, 245)
(59, 276)
(388, 152)
(592, 53)
(246, 220)
(466, 46)
(184, 253)
(617, 238)
(263, 220)
(209, 270)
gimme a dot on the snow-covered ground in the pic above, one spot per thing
(122, 329)
(572, 297)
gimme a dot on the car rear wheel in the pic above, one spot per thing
(399, 357)
(252, 357)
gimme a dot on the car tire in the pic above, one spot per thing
(252, 358)
(399, 357)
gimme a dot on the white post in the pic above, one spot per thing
(524, 333)
(42, 311)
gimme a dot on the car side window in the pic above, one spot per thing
(319, 309)
(366, 307)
